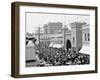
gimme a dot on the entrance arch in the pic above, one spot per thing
(68, 45)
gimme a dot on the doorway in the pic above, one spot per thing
(68, 45)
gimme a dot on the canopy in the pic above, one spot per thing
(30, 44)
(57, 46)
(51, 45)
(85, 49)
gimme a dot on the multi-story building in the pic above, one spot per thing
(53, 28)
(45, 27)
(85, 39)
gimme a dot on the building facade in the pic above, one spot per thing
(53, 27)
(76, 38)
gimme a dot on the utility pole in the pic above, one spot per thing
(39, 34)
(64, 38)
(64, 33)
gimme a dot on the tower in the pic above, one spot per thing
(76, 35)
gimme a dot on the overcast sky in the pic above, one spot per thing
(34, 20)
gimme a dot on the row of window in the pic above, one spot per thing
(57, 41)
(87, 37)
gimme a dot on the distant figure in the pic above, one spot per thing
(69, 50)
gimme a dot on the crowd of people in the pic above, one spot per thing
(58, 56)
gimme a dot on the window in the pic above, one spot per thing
(85, 37)
(88, 37)
(73, 39)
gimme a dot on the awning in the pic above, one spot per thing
(85, 49)
(51, 45)
(30, 44)
(57, 46)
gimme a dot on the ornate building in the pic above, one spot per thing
(76, 38)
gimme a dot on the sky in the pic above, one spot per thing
(34, 20)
